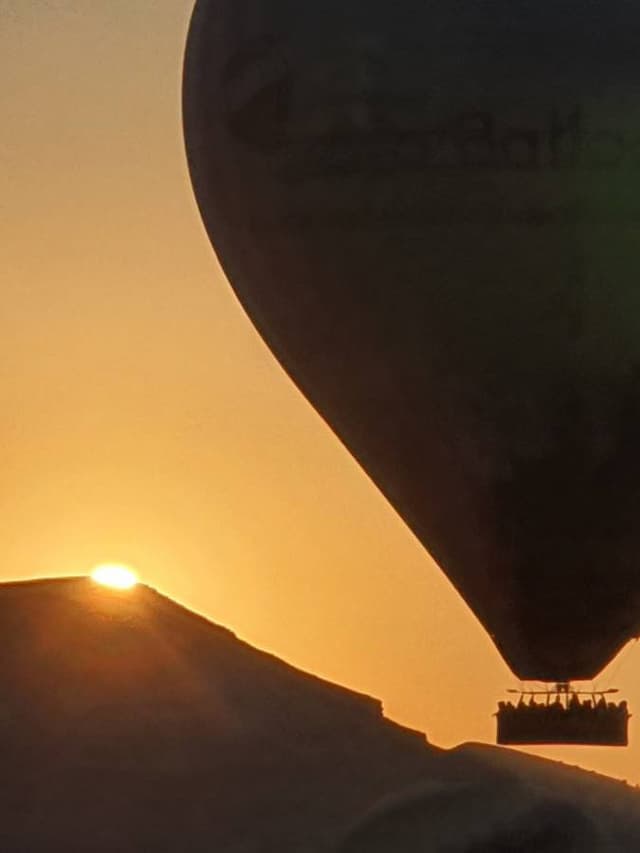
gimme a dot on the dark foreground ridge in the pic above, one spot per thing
(129, 723)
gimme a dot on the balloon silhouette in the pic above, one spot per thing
(431, 213)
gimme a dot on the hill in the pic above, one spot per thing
(129, 723)
(485, 799)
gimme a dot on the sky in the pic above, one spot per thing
(143, 420)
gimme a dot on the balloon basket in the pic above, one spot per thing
(562, 717)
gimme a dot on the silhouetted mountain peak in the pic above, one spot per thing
(74, 649)
(129, 723)
(126, 711)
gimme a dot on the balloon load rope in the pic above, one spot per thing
(562, 689)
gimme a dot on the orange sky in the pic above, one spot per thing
(143, 420)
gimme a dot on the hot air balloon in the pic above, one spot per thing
(430, 212)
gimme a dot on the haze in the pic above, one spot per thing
(145, 422)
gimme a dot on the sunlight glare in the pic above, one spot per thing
(115, 576)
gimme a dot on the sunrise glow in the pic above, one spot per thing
(115, 576)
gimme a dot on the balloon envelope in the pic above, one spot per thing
(431, 213)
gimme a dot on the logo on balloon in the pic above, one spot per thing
(341, 129)
(474, 139)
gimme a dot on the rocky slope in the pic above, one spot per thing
(129, 723)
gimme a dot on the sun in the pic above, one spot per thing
(115, 576)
